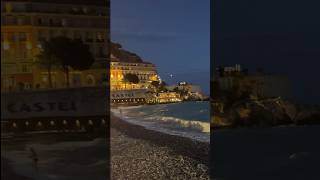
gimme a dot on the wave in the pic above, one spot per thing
(197, 130)
(183, 123)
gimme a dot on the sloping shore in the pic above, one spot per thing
(139, 153)
(136, 153)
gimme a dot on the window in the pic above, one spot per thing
(11, 37)
(100, 37)
(24, 68)
(10, 20)
(40, 21)
(44, 78)
(64, 22)
(90, 80)
(88, 37)
(21, 20)
(101, 52)
(76, 80)
(41, 36)
(22, 36)
(77, 35)
(51, 22)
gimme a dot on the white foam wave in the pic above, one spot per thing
(196, 130)
(183, 123)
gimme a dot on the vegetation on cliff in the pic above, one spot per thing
(242, 108)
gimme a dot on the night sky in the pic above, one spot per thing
(173, 34)
(281, 36)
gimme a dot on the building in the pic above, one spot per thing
(184, 86)
(229, 70)
(26, 23)
(138, 96)
(146, 72)
(168, 97)
(259, 83)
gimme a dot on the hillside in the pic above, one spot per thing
(121, 55)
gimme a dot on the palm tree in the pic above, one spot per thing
(130, 78)
(47, 60)
(66, 53)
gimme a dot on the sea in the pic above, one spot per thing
(277, 153)
(186, 119)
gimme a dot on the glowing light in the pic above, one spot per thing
(6, 46)
(39, 46)
(52, 123)
(29, 45)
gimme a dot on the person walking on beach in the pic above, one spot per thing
(120, 112)
(34, 158)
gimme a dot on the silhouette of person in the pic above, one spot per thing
(34, 158)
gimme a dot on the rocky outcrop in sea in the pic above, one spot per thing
(263, 113)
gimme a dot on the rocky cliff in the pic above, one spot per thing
(122, 55)
(263, 113)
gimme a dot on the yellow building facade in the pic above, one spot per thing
(146, 72)
(24, 25)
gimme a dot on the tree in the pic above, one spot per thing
(162, 86)
(131, 78)
(47, 60)
(70, 54)
(155, 84)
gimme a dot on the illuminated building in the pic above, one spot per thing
(25, 23)
(168, 97)
(138, 96)
(146, 72)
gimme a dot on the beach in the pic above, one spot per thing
(136, 153)
(139, 153)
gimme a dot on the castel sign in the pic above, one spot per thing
(42, 107)
(79, 102)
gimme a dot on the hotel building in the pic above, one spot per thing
(26, 23)
(146, 72)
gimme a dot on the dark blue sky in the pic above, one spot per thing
(281, 36)
(173, 34)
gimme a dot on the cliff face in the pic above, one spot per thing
(262, 113)
(121, 55)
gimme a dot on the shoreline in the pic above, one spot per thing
(136, 153)
(150, 104)
(196, 150)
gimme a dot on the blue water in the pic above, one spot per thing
(193, 111)
(188, 119)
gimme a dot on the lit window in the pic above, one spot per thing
(24, 68)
